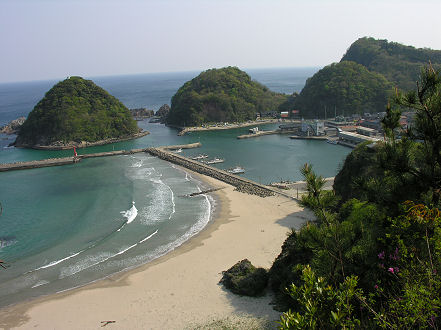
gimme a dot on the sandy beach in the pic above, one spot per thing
(179, 290)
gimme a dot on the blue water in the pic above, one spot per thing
(65, 226)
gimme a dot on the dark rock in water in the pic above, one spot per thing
(245, 279)
(13, 126)
(163, 112)
(142, 113)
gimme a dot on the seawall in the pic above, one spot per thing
(72, 160)
(241, 184)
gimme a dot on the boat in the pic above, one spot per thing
(236, 170)
(215, 161)
(200, 156)
(178, 150)
(331, 141)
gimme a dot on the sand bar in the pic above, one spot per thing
(179, 290)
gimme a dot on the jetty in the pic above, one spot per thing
(165, 153)
(76, 159)
(262, 133)
(241, 184)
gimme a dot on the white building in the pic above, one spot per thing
(313, 127)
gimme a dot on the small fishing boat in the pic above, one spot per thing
(331, 141)
(236, 170)
(178, 150)
(215, 161)
(200, 156)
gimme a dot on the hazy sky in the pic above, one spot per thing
(45, 39)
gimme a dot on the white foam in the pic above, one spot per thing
(56, 262)
(130, 214)
(40, 283)
(138, 164)
(148, 237)
(158, 209)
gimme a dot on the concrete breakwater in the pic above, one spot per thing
(262, 133)
(61, 161)
(72, 160)
(241, 184)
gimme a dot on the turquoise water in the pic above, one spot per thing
(69, 225)
(66, 226)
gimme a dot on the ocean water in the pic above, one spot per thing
(66, 226)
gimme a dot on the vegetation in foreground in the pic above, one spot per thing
(76, 110)
(221, 95)
(372, 257)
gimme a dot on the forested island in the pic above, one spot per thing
(221, 95)
(76, 112)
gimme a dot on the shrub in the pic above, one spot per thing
(245, 279)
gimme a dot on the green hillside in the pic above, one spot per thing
(345, 87)
(400, 64)
(221, 95)
(76, 110)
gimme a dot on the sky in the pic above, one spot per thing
(53, 39)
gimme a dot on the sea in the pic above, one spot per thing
(63, 227)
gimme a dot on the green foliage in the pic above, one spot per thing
(392, 248)
(409, 293)
(398, 63)
(221, 95)
(318, 200)
(342, 241)
(245, 279)
(76, 110)
(321, 305)
(347, 87)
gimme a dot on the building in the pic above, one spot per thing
(313, 127)
(366, 131)
(354, 138)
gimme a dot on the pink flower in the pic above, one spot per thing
(390, 269)
(381, 255)
(376, 286)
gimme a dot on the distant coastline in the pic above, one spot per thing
(83, 144)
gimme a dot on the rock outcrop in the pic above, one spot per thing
(13, 126)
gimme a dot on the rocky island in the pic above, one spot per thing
(77, 113)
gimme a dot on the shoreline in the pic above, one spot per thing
(184, 281)
(185, 130)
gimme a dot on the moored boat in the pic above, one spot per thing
(236, 170)
(199, 157)
(215, 161)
